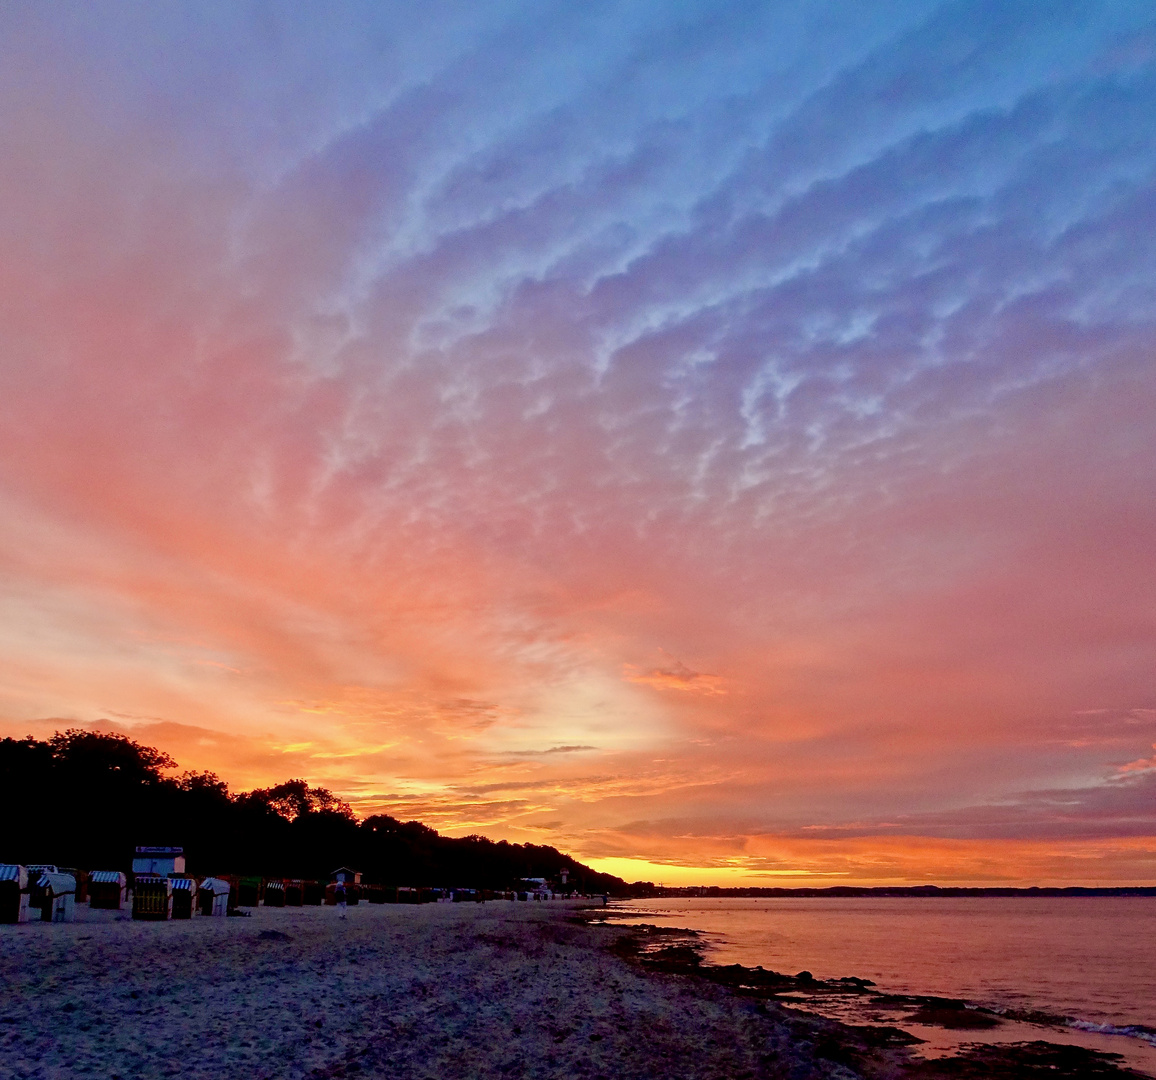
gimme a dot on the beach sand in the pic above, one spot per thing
(402, 992)
(438, 990)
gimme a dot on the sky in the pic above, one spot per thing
(717, 439)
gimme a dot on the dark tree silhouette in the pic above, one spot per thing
(86, 799)
(295, 799)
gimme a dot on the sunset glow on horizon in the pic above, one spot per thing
(717, 440)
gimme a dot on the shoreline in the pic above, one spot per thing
(437, 990)
(682, 950)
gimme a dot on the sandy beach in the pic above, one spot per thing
(440, 990)
(433, 991)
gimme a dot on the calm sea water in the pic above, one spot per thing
(1086, 958)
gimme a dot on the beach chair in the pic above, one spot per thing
(152, 898)
(184, 897)
(213, 896)
(312, 893)
(57, 897)
(107, 889)
(249, 892)
(13, 893)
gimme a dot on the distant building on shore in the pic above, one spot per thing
(160, 861)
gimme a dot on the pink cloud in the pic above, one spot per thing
(399, 432)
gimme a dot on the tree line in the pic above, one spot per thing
(86, 799)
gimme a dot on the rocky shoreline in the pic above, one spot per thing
(870, 1048)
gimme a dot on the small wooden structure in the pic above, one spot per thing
(152, 897)
(56, 894)
(275, 893)
(13, 893)
(107, 889)
(294, 893)
(159, 861)
(213, 896)
(184, 897)
(344, 874)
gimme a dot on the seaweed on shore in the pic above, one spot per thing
(1022, 1061)
(679, 952)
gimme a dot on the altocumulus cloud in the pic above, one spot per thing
(395, 390)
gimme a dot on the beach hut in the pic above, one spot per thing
(152, 898)
(538, 889)
(213, 896)
(275, 893)
(13, 893)
(107, 889)
(294, 893)
(159, 861)
(344, 874)
(184, 897)
(57, 896)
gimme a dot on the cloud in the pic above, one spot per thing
(677, 677)
(552, 750)
(1140, 764)
(393, 396)
(1120, 807)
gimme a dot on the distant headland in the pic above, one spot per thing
(641, 889)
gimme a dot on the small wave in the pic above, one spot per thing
(1133, 1031)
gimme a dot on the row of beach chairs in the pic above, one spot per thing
(51, 893)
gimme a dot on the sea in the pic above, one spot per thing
(1087, 960)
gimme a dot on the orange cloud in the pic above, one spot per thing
(355, 437)
(676, 677)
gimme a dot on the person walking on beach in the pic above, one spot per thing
(339, 898)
